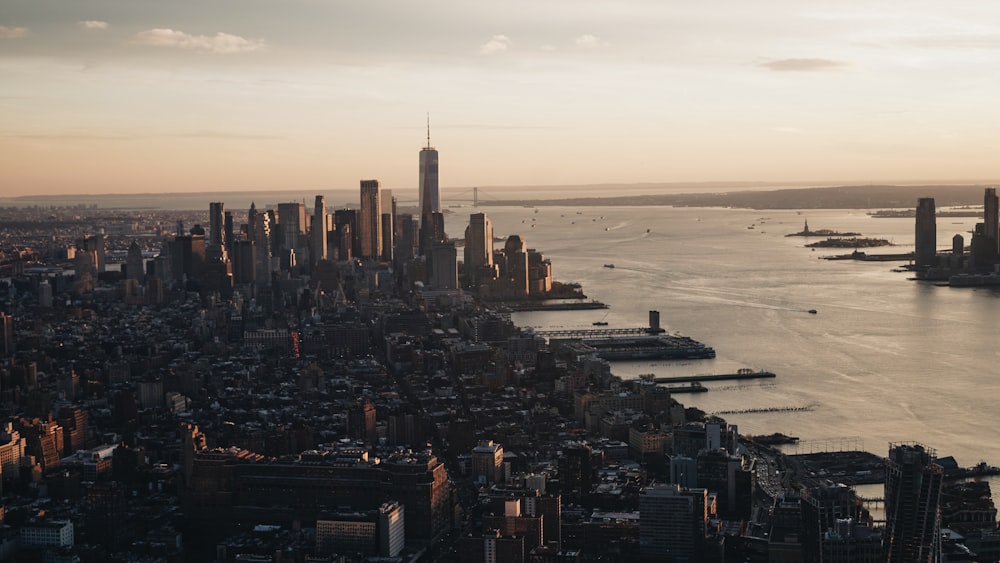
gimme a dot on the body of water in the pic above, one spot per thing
(885, 359)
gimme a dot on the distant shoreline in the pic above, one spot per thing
(744, 195)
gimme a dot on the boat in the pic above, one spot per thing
(812, 311)
(600, 323)
(609, 265)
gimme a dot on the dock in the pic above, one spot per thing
(566, 305)
(741, 374)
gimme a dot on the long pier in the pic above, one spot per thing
(584, 333)
(742, 374)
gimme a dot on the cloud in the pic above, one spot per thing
(221, 43)
(13, 32)
(496, 44)
(803, 65)
(92, 24)
(590, 41)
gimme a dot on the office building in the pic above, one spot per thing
(261, 237)
(370, 220)
(188, 257)
(345, 223)
(216, 223)
(319, 232)
(991, 222)
(575, 469)
(388, 237)
(443, 262)
(487, 462)
(671, 523)
(479, 250)
(134, 264)
(244, 261)
(43, 532)
(925, 251)
(6, 335)
(291, 226)
(228, 229)
(379, 531)
(430, 199)
(912, 505)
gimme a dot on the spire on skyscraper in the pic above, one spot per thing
(428, 130)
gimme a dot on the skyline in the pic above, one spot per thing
(109, 96)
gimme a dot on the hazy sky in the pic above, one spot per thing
(105, 96)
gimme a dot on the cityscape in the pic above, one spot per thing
(289, 383)
(685, 283)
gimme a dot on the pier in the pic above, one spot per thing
(741, 374)
(584, 333)
(568, 305)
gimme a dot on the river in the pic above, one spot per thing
(884, 359)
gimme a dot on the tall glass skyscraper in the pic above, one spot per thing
(912, 501)
(430, 198)
(370, 220)
(925, 243)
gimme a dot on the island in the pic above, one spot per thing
(853, 242)
(805, 232)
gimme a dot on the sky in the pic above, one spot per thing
(124, 96)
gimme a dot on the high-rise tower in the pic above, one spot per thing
(478, 248)
(370, 220)
(912, 505)
(926, 234)
(216, 223)
(318, 232)
(430, 199)
(991, 222)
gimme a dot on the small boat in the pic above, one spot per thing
(600, 323)
(609, 265)
(812, 311)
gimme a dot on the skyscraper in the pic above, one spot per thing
(926, 234)
(6, 335)
(318, 232)
(291, 225)
(261, 231)
(216, 223)
(991, 222)
(478, 247)
(912, 505)
(370, 220)
(430, 200)
(134, 263)
(442, 260)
